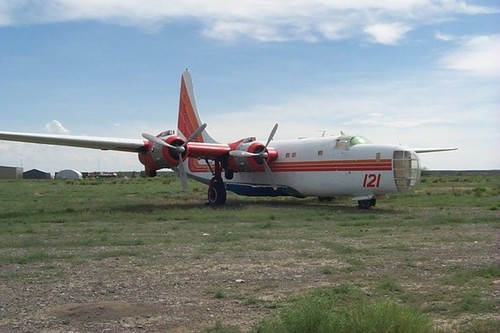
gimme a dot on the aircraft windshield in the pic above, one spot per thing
(346, 141)
(358, 140)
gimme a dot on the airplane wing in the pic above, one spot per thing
(126, 145)
(431, 150)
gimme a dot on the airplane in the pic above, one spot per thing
(324, 167)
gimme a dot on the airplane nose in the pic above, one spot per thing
(406, 166)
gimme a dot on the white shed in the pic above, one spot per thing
(69, 174)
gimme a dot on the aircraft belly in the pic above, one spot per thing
(323, 183)
(317, 183)
(341, 183)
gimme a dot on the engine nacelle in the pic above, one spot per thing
(156, 156)
(251, 163)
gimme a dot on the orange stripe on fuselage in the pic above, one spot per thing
(311, 166)
(344, 165)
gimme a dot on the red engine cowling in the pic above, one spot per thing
(156, 156)
(251, 163)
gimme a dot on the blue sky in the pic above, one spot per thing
(423, 73)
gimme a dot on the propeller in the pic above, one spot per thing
(271, 135)
(263, 154)
(179, 149)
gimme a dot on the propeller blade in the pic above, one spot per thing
(270, 175)
(196, 133)
(159, 141)
(271, 135)
(182, 149)
(182, 173)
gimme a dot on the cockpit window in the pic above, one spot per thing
(358, 140)
(341, 144)
(346, 141)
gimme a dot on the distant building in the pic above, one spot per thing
(36, 174)
(102, 175)
(68, 174)
(11, 172)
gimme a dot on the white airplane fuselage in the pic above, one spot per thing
(326, 167)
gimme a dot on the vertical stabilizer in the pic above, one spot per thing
(188, 119)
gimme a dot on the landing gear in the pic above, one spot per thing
(229, 174)
(216, 192)
(366, 204)
(216, 188)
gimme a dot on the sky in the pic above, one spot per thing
(421, 73)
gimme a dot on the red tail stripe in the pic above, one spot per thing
(187, 122)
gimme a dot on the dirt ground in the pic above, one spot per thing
(200, 277)
(178, 290)
(125, 295)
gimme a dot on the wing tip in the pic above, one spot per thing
(433, 150)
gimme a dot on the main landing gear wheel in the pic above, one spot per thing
(366, 204)
(216, 192)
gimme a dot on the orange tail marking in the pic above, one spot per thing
(187, 121)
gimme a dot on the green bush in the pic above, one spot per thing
(318, 312)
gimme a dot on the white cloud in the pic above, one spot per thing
(387, 33)
(55, 127)
(233, 30)
(478, 55)
(332, 30)
(397, 121)
(277, 20)
(444, 37)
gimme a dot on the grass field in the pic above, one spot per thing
(141, 255)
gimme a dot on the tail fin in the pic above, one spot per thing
(188, 119)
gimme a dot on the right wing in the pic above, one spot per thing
(431, 150)
(127, 145)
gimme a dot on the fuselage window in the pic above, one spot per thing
(341, 144)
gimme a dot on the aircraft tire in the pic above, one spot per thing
(366, 204)
(229, 174)
(216, 192)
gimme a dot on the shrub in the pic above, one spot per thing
(317, 313)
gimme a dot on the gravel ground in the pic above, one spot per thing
(175, 288)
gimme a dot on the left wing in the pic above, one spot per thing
(127, 145)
